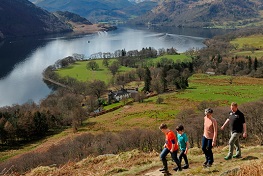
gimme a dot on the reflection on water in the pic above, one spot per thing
(23, 60)
(194, 32)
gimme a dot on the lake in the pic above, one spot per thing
(22, 60)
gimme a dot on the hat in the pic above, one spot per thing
(208, 110)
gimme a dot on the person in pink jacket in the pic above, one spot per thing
(209, 137)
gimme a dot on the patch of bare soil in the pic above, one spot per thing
(86, 29)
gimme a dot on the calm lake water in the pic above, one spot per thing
(22, 60)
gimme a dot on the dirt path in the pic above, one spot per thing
(251, 157)
(157, 173)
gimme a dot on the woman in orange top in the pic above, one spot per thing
(170, 146)
(209, 137)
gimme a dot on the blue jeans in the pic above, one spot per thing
(163, 155)
(181, 156)
(207, 149)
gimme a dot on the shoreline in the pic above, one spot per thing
(79, 28)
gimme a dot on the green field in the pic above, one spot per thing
(218, 88)
(80, 72)
(176, 58)
(257, 54)
(254, 41)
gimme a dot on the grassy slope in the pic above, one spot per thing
(138, 163)
(202, 87)
(255, 41)
(206, 87)
(150, 115)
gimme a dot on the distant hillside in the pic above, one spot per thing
(203, 13)
(23, 18)
(68, 16)
(81, 25)
(99, 10)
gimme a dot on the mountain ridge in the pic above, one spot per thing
(99, 10)
(202, 13)
(23, 18)
(182, 13)
(20, 18)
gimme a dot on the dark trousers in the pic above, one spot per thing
(207, 149)
(163, 155)
(182, 155)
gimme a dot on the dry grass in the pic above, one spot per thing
(103, 165)
(84, 28)
(138, 163)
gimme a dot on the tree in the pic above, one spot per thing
(171, 51)
(65, 62)
(140, 72)
(78, 56)
(40, 124)
(120, 80)
(156, 85)
(249, 63)
(67, 104)
(163, 79)
(161, 52)
(147, 79)
(96, 88)
(92, 65)
(172, 75)
(91, 103)
(255, 64)
(105, 62)
(123, 52)
(114, 67)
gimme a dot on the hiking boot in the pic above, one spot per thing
(237, 156)
(228, 157)
(176, 169)
(204, 164)
(180, 169)
(209, 165)
(163, 169)
(186, 166)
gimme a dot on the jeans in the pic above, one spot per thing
(234, 142)
(163, 155)
(207, 149)
(182, 155)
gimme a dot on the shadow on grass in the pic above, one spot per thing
(147, 100)
(86, 125)
(250, 158)
(20, 144)
(194, 87)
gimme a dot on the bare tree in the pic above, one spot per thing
(140, 72)
(96, 88)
